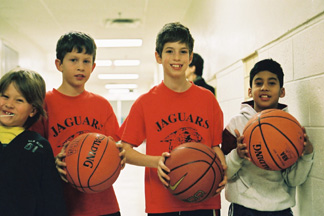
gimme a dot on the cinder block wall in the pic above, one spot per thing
(300, 53)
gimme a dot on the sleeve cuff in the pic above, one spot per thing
(308, 157)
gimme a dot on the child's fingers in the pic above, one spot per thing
(123, 159)
(164, 178)
(60, 165)
(162, 161)
(62, 173)
(120, 146)
(59, 160)
(122, 155)
(239, 137)
(237, 133)
(163, 170)
(221, 185)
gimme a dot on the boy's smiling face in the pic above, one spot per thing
(266, 91)
(175, 59)
(15, 108)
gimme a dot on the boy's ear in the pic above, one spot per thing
(158, 57)
(250, 92)
(190, 58)
(58, 64)
(282, 92)
(33, 112)
(93, 66)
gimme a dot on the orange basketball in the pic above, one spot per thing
(196, 172)
(274, 139)
(92, 162)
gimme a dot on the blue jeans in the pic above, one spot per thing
(238, 210)
(189, 213)
(114, 214)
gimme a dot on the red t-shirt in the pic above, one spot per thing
(166, 119)
(69, 117)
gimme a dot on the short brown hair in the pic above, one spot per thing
(173, 32)
(75, 40)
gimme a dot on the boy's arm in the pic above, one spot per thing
(136, 158)
(228, 142)
(221, 156)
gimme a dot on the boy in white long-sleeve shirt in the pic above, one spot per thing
(251, 190)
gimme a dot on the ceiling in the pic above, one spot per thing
(44, 21)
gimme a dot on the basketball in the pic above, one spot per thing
(195, 172)
(274, 139)
(92, 162)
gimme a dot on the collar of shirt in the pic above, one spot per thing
(7, 134)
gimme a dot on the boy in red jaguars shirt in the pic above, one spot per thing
(73, 111)
(166, 117)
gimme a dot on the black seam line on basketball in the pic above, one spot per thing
(272, 116)
(257, 126)
(250, 141)
(107, 178)
(247, 127)
(180, 192)
(281, 117)
(286, 118)
(214, 153)
(94, 170)
(258, 120)
(197, 150)
(78, 162)
(215, 176)
(68, 174)
(284, 136)
(202, 175)
(113, 174)
(210, 165)
(220, 167)
(266, 145)
(210, 189)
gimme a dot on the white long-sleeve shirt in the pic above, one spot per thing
(256, 188)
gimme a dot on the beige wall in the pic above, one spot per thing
(290, 32)
(30, 55)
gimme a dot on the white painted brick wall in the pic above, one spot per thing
(308, 53)
(282, 53)
(230, 90)
(301, 55)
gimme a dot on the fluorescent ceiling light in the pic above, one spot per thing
(118, 91)
(103, 63)
(127, 62)
(119, 42)
(118, 76)
(120, 86)
(118, 63)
